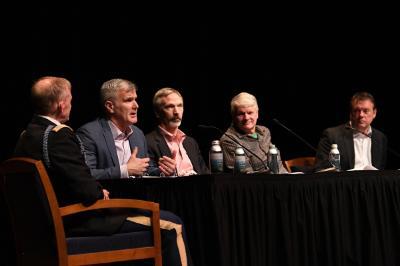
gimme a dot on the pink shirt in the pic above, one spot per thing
(184, 166)
(123, 147)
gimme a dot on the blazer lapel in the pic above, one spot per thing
(375, 149)
(349, 147)
(162, 145)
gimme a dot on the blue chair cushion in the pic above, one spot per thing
(76, 245)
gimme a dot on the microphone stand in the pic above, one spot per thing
(296, 135)
(349, 126)
(237, 142)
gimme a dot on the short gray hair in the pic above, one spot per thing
(243, 99)
(110, 88)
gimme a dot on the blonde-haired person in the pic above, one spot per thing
(168, 146)
(255, 139)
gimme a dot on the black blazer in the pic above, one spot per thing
(343, 137)
(70, 177)
(157, 147)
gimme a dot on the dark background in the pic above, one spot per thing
(302, 63)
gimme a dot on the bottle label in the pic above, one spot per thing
(273, 163)
(216, 162)
(240, 164)
(334, 159)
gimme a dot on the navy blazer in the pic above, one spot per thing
(343, 137)
(101, 153)
(158, 147)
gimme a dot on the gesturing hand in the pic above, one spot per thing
(167, 165)
(137, 166)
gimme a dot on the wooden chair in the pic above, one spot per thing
(38, 229)
(303, 164)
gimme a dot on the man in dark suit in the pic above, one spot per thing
(114, 147)
(176, 153)
(47, 139)
(360, 145)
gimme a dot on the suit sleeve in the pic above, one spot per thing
(322, 155)
(92, 154)
(203, 169)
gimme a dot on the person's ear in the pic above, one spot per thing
(109, 107)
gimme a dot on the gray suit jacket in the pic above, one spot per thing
(343, 137)
(100, 151)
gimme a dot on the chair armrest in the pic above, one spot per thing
(112, 203)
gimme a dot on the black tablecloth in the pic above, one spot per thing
(346, 218)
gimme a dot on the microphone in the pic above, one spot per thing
(296, 135)
(237, 142)
(349, 126)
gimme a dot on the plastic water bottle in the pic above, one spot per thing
(240, 161)
(273, 159)
(334, 157)
(216, 157)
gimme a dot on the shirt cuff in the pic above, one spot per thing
(124, 171)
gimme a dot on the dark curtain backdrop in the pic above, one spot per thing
(302, 64)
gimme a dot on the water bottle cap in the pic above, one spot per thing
(215, 142)
(239, 151)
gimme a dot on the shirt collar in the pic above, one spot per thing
(170, 137)
(51, 119)
(117, 133)
(358, 134)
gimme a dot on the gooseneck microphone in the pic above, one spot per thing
(296, 135)
(237, 142)
(349, 126)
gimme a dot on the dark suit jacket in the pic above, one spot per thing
(158, 147)
(69, 175)
(343, 137)
(101, 153)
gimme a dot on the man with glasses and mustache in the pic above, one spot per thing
(175, 153)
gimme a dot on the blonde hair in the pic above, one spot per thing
(243, 99)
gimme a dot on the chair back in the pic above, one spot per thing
(38, 230)
(31, 217)
(302, 164)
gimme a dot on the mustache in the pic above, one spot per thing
(175, 119)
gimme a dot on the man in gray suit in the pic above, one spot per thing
(114, 147)
(360, 145)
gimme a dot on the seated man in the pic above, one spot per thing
(47, 139)
(244, 132)
(114, 146)
(176, 153)
(360, 145)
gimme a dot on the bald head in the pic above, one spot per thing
(50, 94)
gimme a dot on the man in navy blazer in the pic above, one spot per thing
(114, 147)
(176, 153)
(360, 145)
